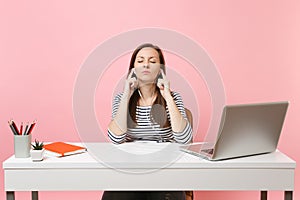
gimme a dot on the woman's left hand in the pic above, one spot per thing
(164, 85)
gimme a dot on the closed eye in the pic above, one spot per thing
(153, 60)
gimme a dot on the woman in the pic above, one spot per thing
(148, 110)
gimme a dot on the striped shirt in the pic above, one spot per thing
(146, 129)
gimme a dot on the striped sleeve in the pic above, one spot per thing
(186, 135)
(116, 139)
(115, 104)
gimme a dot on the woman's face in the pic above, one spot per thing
(147, 65)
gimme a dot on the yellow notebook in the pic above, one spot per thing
(63, 149)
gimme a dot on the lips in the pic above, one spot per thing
(146, 72)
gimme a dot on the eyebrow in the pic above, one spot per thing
(149, 57)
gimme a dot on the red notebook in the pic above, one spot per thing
(63, 149)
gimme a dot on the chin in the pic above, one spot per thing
(147, 81)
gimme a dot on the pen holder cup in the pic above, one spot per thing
(22, 145)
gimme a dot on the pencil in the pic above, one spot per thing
(31, 127)
(15, 127)
(21, 129)
(12, 128)
(26, 128)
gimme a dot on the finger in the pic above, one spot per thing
(133, 83)
(163, 74)
(131, 73)
(160, 84)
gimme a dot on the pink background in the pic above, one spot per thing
(255, 45)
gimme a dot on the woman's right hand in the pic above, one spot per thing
(131, 83)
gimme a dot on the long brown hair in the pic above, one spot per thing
(158, 110)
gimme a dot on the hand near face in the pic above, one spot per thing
(163, 84)
(131, 83)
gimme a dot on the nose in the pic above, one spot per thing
(146, 65)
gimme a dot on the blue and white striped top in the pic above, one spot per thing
(146, 129)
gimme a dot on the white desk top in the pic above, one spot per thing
(146, 155)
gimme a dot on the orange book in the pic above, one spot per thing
(63, 149)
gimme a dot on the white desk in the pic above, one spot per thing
(82, 172)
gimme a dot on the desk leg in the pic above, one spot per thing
(34, 195)
(288, 195)
(263, 195)
(10, 195)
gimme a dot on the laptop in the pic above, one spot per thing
(244, 130)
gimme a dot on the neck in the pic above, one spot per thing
(147, 91)
(147, 94)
